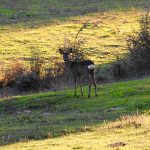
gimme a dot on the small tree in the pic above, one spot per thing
(76, 44)
(139, 46)
(37, 62)
(137, 60)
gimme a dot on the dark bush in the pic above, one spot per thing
(27, 82)
(55, 77)
(37, 62)
(137, 61)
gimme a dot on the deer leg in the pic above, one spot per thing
(80, 81)
(89, 93)
(75, 85)
(94, 83)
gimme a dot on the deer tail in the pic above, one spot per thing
(91, 67)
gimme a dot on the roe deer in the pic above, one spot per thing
(79, 69)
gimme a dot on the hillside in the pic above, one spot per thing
(129, 133)
(50, 115)
(117, 119)
(34, 25)
(13, 11)
(19, 40)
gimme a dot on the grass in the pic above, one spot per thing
(7, 12)
(133, 131)
(44, 26)
(19, 40)
(54, 114)
(51, 9)
(58, 120)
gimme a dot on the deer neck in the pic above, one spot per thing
(68, 64)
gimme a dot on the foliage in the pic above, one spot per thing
(10, 75)
(137, 61)
(139, 46)
(76, 45)
(37, 62)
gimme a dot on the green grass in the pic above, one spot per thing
(60, 115)
(55, 114)
(31, 9)
(7, 12)
(133, 131)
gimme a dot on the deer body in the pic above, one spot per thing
(83, 69)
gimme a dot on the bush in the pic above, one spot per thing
(37, 62)
(103, 73)
(9, 76)
(56, 76)
(27, 82)
(76, 44)
(137, 61)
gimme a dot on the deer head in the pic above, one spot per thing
(66, 53)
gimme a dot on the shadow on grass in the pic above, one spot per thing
(23, 11)
(47, 116)
(50, 115)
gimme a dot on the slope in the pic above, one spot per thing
(54, 114)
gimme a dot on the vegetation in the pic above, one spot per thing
(32, 32)
(49, 115)
(136, 62)
(13, 11)
(17, 41)
(130, 132)
(23, 39)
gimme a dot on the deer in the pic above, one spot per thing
(85, 68)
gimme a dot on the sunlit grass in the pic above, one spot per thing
(133, 131)
(7, 12)
(104, 41)
(60, 114)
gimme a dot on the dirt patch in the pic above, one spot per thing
(118, 144)
(113, 109)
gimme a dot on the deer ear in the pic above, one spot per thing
(70, 50)
(60, 51)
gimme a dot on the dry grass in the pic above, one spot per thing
(105, 39)
(127, 133)
(79, 122)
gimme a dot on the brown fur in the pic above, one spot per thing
(80, 70)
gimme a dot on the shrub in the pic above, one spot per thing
(37, 62)
(10, 75)
(139, 46)
(28, 81)
(56, 76)
(78, 54)
(18, 77)
(137, 61)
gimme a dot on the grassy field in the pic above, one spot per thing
(35, 25)
(132, 132)
(50, 115)
(18, 41)
(58, 120)
(16, 10)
